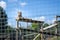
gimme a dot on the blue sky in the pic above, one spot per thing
(33, 8)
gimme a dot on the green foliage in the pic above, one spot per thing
(45, 25)
(3, 20)
(37, 25)
(34, 25)
(10, 29)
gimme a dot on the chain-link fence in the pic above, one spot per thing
(36, 20)
(9, 32)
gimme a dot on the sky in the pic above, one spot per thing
(43, 10)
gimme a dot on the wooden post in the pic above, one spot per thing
(42, 32)
(56, 27)
(17, 31)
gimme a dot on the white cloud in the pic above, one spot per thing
(3, 4)
(10, 24)
(50, 21)
(42, 18)
(53, 20)
(23, 4)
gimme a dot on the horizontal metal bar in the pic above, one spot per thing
(47, 33)
(30, 34)
(53, 25)
(28, 20)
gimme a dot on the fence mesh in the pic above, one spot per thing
(35, 10)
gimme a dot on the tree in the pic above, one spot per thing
(35, 26)
(10, 29)
(3, 20)
(45, 25)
